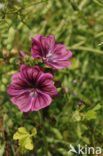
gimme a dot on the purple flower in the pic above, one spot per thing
(52, 54)
(31, 89)
(22, 54)
(80, 104)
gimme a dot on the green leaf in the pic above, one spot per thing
(2, 150)
(76, 116)
(79, 131)
(28, 143)
(62, 151)
(11, 36)
(33, 132)
(99, 2)
(91, 114)
(25, 139)
(22, 130)
(86, 140)
(97, 107)
(75, 63)
(22, 133)
(18, 135)
(57, 133)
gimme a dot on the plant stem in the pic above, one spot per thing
(45, 147)
(87, 49)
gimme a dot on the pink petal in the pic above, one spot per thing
(29, 74)
(50, 90)
(14, 90)
(23, 102)
(37, 37)
(16, 77)
(40, 71)
(58, 64)
(41, 46)
(22, 54)
(36, 50)
(45, 84)
(17, 86)
(44, 76)
(47, 43)
(60, 53)
(41, 100)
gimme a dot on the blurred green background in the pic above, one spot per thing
(79, 25)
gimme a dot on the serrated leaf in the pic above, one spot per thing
(22, 130)
(28, 143)
(76, 116)
(18, 135)
(22, 133)
(25, 139)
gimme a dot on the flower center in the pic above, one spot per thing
(48, 55)
(32, 93)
